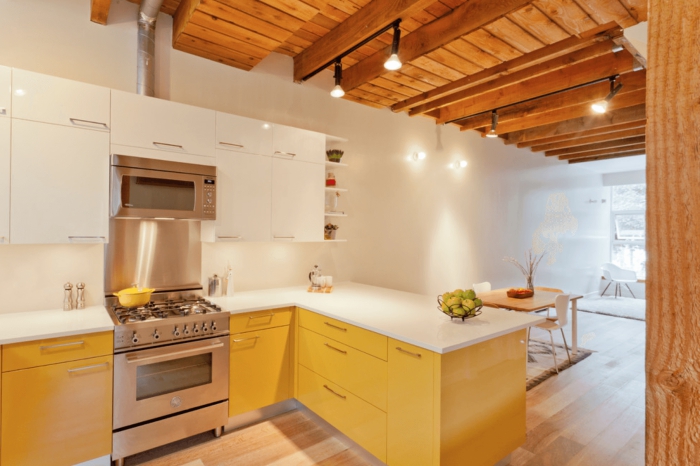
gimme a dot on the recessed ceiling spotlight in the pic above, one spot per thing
(419, 156)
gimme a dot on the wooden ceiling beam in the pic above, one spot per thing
(99, 11)
(609, 156)
(600, 34)
(605, 130)
(577, 74)
(371, 18)
(577, 125)
(580, 141)
(622, 142)
(464, 19)
(596, 153)
(570, 98)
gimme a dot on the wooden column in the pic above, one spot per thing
(673, 225)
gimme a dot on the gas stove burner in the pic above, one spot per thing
(168, 308)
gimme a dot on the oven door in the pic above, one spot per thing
(157, 382)
(143, 193)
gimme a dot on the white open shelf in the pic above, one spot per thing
(331, 189)
(334, 214)
(335, 164)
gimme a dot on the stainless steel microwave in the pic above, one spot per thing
(149, 188)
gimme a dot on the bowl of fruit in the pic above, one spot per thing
(520, 293)
(460, 304)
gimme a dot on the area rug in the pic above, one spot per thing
(540, 365)
(627, 308)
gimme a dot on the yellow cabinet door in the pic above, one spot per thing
(410, 420)
(57, 415)
(260, 369)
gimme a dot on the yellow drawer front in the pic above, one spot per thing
(354, 417)
(260, 369)
(55, 350)
(260, 320)
(410, 427)
(358, 372)
(364, 340)
(57, 415)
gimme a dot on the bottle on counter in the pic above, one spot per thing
(67, 296)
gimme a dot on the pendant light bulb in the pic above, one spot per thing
(600, 107)
(394, 63)
(494, 123)
(337, 90)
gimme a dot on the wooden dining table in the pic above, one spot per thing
(541, 300)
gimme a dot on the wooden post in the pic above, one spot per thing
(673, 225)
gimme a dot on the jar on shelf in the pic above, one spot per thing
(330, 179)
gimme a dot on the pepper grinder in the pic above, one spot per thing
(80, 304)
(67, 297)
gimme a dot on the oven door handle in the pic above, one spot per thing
(204, 349)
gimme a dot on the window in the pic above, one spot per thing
(628, 227)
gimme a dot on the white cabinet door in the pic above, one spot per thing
(150, 123)
(243, 196)
(298, 144)
(4, 180)
(5, 91)
(59, 184)
(242, 134)
(297, 200)
(38, 97)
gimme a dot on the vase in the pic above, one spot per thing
(530, 286)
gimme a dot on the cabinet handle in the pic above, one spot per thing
(418, 355)
(279, 152)
(85, 368)
(78, 120)
(86, 238)
(335, 326)
(283, 237)
(166, 144)
(334, 392)
(260, 317)
(207, 348)
(231, 144)
(246, 339)
(334, 348)
(229, 237)
(62, 345)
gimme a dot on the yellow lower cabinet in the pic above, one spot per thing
(354, 417)
(410, 428)
(260, 369)
(57, 415)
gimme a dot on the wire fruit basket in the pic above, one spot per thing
(467, 314)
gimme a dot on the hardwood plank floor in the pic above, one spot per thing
(591, 414)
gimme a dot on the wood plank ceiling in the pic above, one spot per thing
(539, 64)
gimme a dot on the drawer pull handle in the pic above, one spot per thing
(291, 154)
(229, 237)
(62, 345)
(94, 366)
(418, 355)
(74, 120)
(260, 317)
(284, 237)
(231, 144)
(335, 326)
(166, 144)
(334, 392)
(334, 348)
(246, 339)
(86, 238)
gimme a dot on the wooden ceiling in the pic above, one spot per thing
(539, 63)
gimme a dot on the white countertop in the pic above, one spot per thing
(408, 317)
(17, 327)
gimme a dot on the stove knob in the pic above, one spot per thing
(204, 327)
(156, 335)
(196, 328)
(135, 338)
(213, 326)
(176, 332)
(186, 331)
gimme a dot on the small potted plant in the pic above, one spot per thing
(329, 231)
(334, 155)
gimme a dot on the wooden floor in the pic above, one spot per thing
(589, 415)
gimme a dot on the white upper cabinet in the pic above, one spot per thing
(244, 196)
(38, 97)
(4, 180)
(297, 200)
(5, 91)
(298, 144)
(151, 123)
(59, 184)
(240, 134)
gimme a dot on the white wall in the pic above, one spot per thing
(416, 226)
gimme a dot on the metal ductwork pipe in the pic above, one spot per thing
(146, 47)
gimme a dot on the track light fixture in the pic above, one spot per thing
(393, 63)
(337, 89)
(602, 106)
(494, 124)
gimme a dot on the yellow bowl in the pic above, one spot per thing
(134, 297)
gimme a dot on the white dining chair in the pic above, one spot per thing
(561, 304)
(619, 277)
(552, 290)
(482, 287)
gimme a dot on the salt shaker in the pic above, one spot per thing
(80, 301)
(67, 297)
